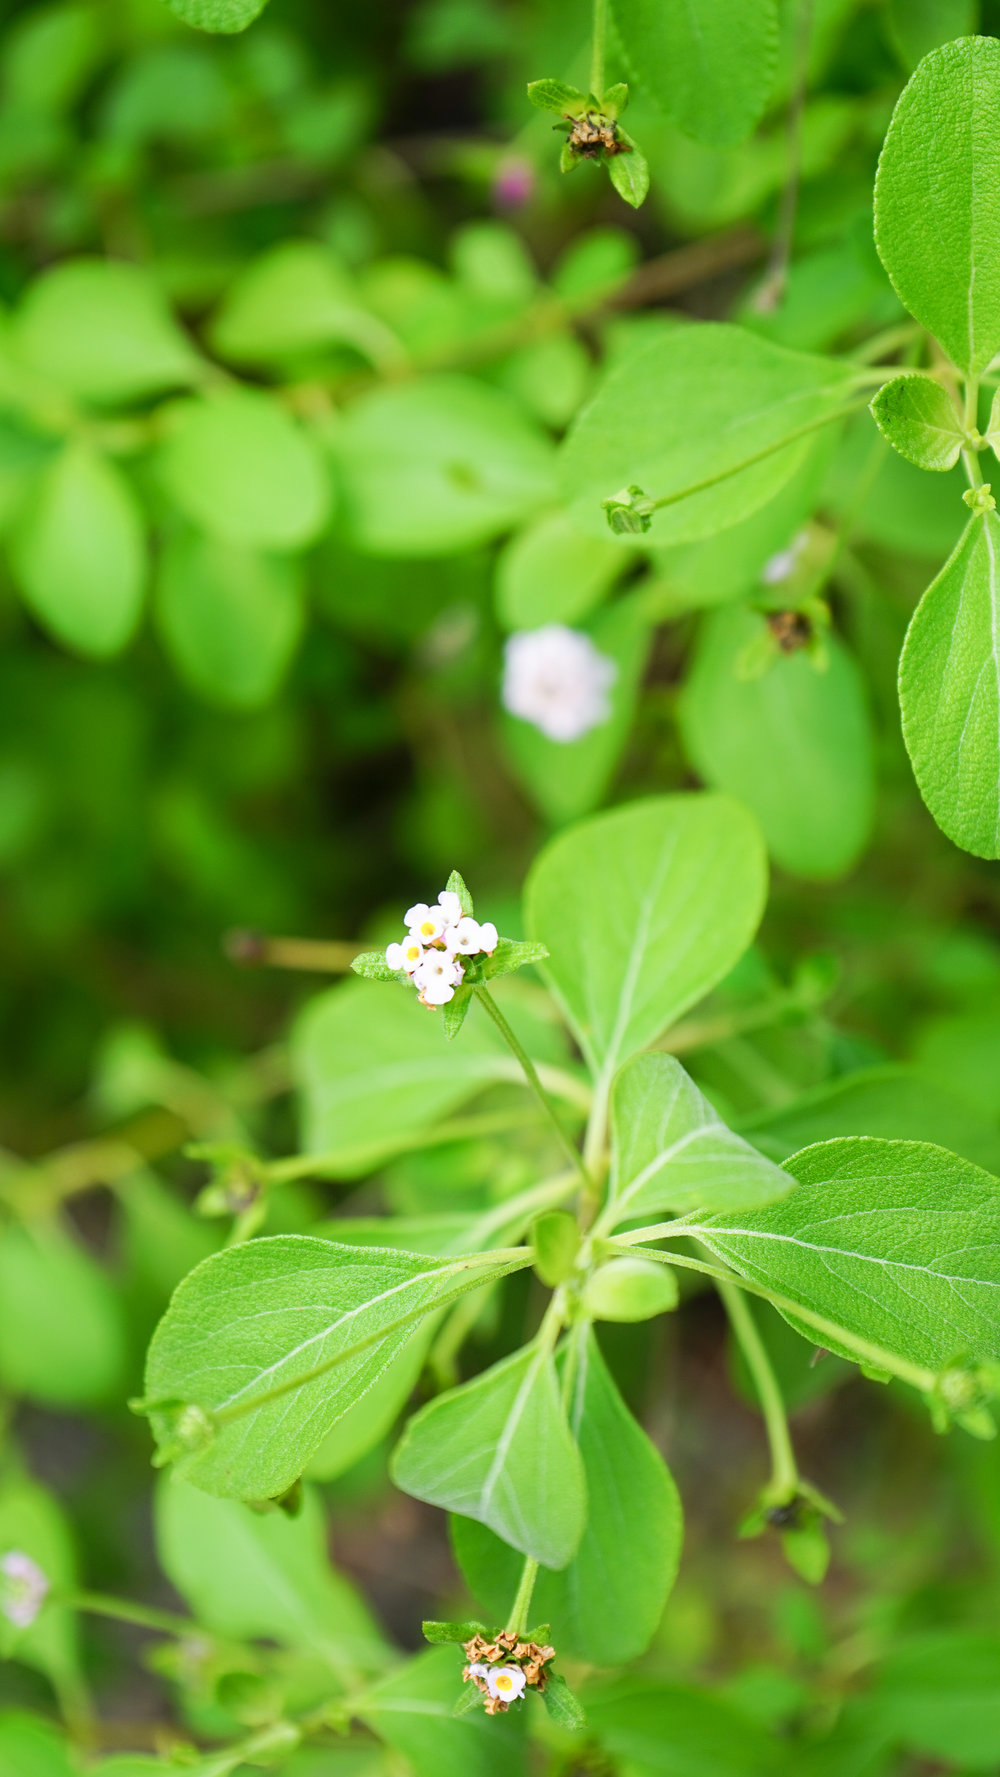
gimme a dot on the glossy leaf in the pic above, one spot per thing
(290, 1331)
(949, 690)
(897, 1241)
(937, 199)
(434, 466)
(710, 418)
(246, 1574)
(240, 467)
(79, 553)
(920, 420)
(643, 910)
(101, 330)
(794, 744)
(672, 1152)
(499, 1449)
(709, 65)
(231, 617)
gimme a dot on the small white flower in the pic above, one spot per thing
(424, 923)
(488, 937)
(557, 679)
(478, 1670)
(465, 938)
(505, 1682)
(23, 1587)
(405, 956)
(779, 567)
(437, 978)
(451, 907)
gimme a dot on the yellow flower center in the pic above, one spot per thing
(428, 928)
(504, 1682)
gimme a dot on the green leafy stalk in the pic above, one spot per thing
(597, 48)
(531, 1074)
(518, 1620)
(784, 1468)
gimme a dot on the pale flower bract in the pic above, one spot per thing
(555, 678)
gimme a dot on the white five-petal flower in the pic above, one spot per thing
(23, 1587)
(556, 678)
(464, 938)
(437, 978)
(451, 907)
(425, 924)
(505, 1682)
(406, 956)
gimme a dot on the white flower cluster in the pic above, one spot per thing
(439, 937)
(557, 679)
(505, 1682)
(23, 1588)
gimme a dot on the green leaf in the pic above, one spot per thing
(32, 1523)
(672, 1152)
(374, 1066)
(293, 300)
(917, 26)
(245, 1574)
(629, 1290)
(629, 172)
(709, 65)
(372, 1417)
(438, 464)
(644, 909)
(287, 1331)
(606, 1605)
(949, 690)
(937, 199)
(897, 1241)
(413, 1711)
(562, 1705)
(456, 886)
(101, 330)
(666, 1730)
(440, 1634)
(794, 744)
(704, 404)
(30, 1747)
(937, 1694)
(230, 617)
(920, 420)
(510, 955)
(372, 966)
(555, 1242)
(555, 95)
(61, 1325)
(453, 1015)
(499, 1449)
(567, 778)
(240, 468)
(218, 15)
(79, 553)
(551, 572)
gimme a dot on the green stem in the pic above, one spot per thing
(597, 49)
(831, 1332)
(784, 1469)
(970, 420)
(517, 1622)
(517, 1049)
(758, 456)
(122, 1610)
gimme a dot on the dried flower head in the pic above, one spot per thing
(504, 1668)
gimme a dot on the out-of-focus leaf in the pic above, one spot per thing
(230, 616)
(61, 1326)
(710, 64)
(79, 552)
(101, 330)
(241, 468)
(218, 15)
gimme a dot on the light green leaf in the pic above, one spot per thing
(555, 95)
(61, 1326)
(295, 299)
(32, 1523)
(162, 1238)
(672, 1152)
(917, 26)
(937, 199)
(79, 553)
(246, 1574)
(794, 744)
(567, 778)
(644, 909)
(708, 63)
(949, 690)
(434, 466)
(920, 420)
(373, 1416)
(373, 1066)
(551, 572)
(706, 407)
(897, 1241)
(218, 15)
(629, 172)
(101, 330)
(230, 617)
(662, 1730)
(413, 1711)
(606, 1605)
(499, 1449)
(241, 468)
(939, 1695)
(31, 1747)
(282, 1335)
(630, 1289)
